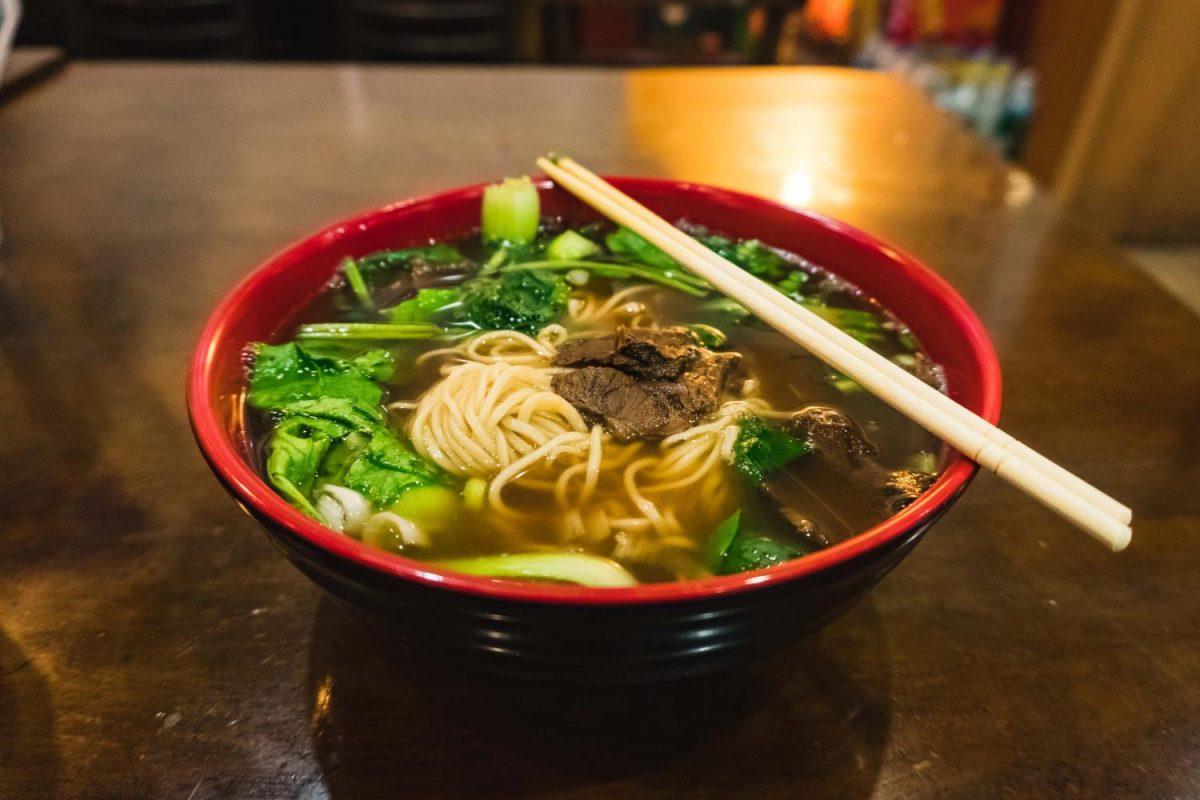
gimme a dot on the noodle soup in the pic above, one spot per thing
(546, 403)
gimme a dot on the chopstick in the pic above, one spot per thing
(820, 327)
(1058, 489)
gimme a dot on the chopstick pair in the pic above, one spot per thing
(1067, 494)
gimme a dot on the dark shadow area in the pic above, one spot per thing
(388, 722)
(29, 757)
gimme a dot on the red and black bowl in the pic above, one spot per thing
(572, 633)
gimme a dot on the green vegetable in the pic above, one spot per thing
(751, 255)
(731, 550)
(721, 538)
(330, 426)
(510, 211)
(792, 283)
(387, 468)
(731, 308)
(673, 278)
(522, 300)
(761, 449)
(376, 363)
(367, 331)
(866, 326)
(570, 246)
(424, 306)
(843, 383)
(432, 508)
(387, 261)
(756, 552)
(345, 415)
(629, 245)
(708, 336)
(285, 373)
(579, 568)
(379, 268)
(339, 458)
(474, 494)
(296, 450)
(355, 280)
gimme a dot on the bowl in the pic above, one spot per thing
(571, 633)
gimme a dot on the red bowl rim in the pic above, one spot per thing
(253, 491)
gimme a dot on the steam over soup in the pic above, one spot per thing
(547, 403)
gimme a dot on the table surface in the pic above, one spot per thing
(153, 644)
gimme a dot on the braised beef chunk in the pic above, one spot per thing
(643, 383)
(900, 487)
(706, 380)
(593, 351)
(832, 434)
(629, 408)
(660, 353)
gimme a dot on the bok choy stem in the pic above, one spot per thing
(367, 331)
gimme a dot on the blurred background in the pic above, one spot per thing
(1091, 98)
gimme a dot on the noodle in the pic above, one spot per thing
(494, 415)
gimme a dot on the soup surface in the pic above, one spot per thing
(536, 402)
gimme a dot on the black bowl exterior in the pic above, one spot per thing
(597, 644)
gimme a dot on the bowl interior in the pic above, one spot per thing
(264, 307)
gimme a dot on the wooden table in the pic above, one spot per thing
(152, 644)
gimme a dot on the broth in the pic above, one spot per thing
(655, 531)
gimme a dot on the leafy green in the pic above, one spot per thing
(731, 550)
(865, 326)
(388, 261)
(731, 308)
(285, 373)
(387, 468)
(522, 300)
(578, 568)
(329, 426)
(629, 245)
(761, 449)
(296, 449)
(722, 537)
(510, 212)
(341, 414)
(751, 255)
(376, 363)
(792, 283)
(425, 305)
(339, 458)
(570, 246)
(746, 553)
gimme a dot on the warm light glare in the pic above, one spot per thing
(797, 189)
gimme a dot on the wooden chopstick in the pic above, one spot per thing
(975, 440)
(820, 327)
